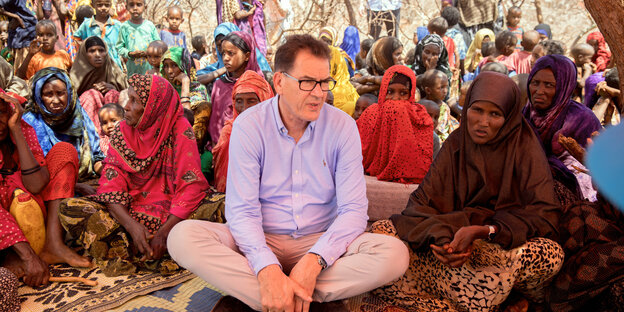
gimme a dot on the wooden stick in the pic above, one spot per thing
(73, 279)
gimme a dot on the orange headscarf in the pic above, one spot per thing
(249, 82)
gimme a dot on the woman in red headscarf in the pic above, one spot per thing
(397, 133)
(151, 180)
(250, 89)
(602, 56)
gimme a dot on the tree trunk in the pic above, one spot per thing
(538, 11)
(352, 20)
(608, 16)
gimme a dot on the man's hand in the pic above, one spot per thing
(305, 273)
(278, 291)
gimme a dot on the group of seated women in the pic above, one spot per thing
(488, 216)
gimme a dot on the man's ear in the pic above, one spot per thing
(278, 78)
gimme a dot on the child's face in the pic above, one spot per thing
(509, 49)
(593, 43)
(136, 8)
(108, 120)
(438, 91)
(174, 18)
(102, 8)
(513, 18)
(398, 92)
(233, 57)
(583, 58)
(153, 57)
(434, 112)
(538, 52)
(47, 37)
(171, 69)
(4, 33)
(361, 104)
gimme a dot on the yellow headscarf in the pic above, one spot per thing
(476, 44)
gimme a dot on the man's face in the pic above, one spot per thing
(296, 104)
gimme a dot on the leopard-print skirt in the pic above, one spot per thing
(9, 298)
(111, 246)
(481, 284)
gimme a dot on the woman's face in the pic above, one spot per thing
(398, 92)
(543, 88)
(397, 56)
(243, 101)
(430, 53)
(54, 96)
(233, 58)
(96, 56)
(134, 109)
(484, 121)
(171, 69)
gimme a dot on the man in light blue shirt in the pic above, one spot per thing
(296, 200)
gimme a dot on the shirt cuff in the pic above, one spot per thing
(261, 259)
(330, 255)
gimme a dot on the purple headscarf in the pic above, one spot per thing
(591, 97)
(564, 116)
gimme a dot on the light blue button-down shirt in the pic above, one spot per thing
(277, 186)
(384, 5)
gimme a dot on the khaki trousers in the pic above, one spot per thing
(209, 250)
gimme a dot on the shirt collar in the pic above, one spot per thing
(109, 21)
(281, 128)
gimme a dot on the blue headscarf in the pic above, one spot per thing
(73, 125)
(351, 42)
(421, 32)
(224, 29)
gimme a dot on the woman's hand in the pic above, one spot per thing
(453, 260)
(432, 63)
(181, 79)
(159, 242)
(15, 120)
(141, 237)
(103, 87)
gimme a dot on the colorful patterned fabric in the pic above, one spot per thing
(592, 235)
(73, 125)
(396, 136)
(154, 167)
(109, 243)
(20, 37)
(249, 82)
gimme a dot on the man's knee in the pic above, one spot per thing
(183, 238)
(391, 253)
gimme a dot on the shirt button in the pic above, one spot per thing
(296, 194)
(296, 171)
(297, 216)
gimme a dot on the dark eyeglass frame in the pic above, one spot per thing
(331, 83)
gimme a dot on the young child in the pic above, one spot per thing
(364, 101)
(200, 45)
(520, 61)
(103, 26)
(4, 38)
(134, 37)
(505, 44)
(155, 51)
(173, 36)
(42, 53)
(608, 108)
(110, 114)
(434, 84)
(514, 14)
(82, 12)
(360, 59)
(438, 26)
(434, 111)
(582, 54)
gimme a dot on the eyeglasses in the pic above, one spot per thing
(309, 85)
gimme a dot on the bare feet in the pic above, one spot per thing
(60, 253)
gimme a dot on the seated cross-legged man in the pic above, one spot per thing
(296, 201)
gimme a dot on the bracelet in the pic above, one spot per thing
(31, 170)
(185, 97)
(492, 232)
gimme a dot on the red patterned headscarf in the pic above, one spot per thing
(397, 136)
(603, 55)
